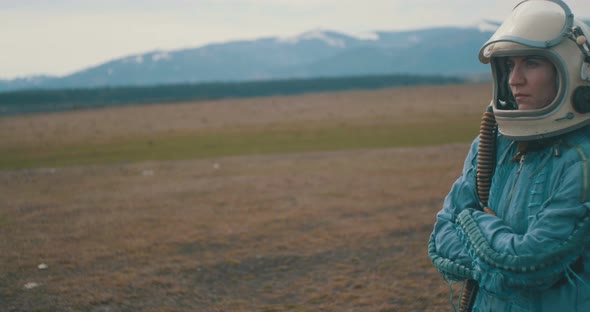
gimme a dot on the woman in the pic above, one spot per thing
(524, 235)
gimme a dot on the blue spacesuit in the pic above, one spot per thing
(527, 246)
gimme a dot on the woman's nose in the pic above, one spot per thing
(516, 76)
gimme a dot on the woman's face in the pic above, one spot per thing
(533, 81)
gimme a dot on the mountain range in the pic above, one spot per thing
(448, 51)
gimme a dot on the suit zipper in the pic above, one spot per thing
(520, 165)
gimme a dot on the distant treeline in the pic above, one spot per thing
(40, 101)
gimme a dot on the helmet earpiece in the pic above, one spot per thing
(581, 99)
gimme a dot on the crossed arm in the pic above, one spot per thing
(470, 244)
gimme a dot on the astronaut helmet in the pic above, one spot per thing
(546, 32)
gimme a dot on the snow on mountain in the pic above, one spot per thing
(317, 34)
(139, 59)
(161, 55)
(130, 59)
(487, 26)
(372, 36)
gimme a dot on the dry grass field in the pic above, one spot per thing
(274, 217)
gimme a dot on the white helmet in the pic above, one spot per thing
(547, 28)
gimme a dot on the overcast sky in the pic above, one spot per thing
(58, 37)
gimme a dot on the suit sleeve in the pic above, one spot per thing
(445, 247)
(556, 236)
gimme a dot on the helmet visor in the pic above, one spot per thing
(535, 24)
(539, 97)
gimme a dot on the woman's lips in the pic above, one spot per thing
(519, 97)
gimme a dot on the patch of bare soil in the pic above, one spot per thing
(338, 231)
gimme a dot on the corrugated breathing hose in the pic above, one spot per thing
(486, 162)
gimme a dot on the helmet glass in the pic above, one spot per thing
(526, 81)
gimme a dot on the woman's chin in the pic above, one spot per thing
(526, 107)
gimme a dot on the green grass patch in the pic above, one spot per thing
(277, 138)
(3, 221)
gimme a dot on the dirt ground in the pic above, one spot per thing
(319, 231)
